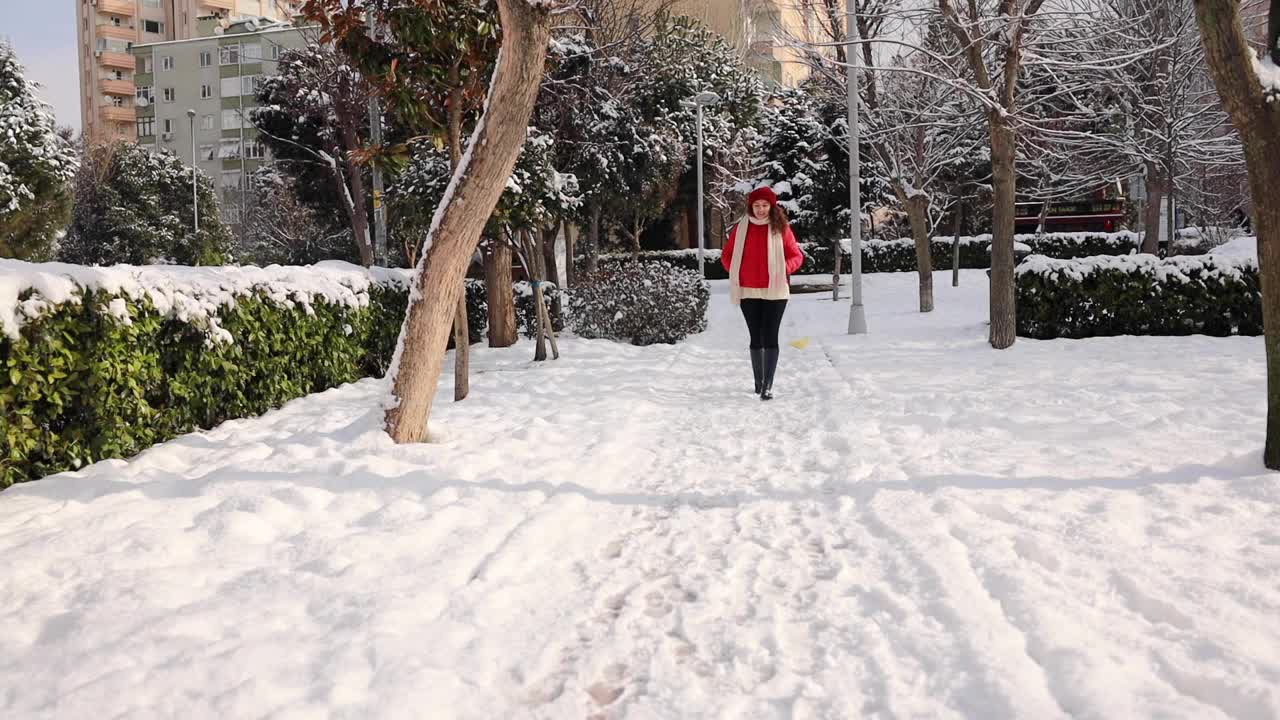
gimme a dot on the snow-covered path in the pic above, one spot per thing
(918, 527)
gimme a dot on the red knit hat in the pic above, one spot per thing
(762, 193)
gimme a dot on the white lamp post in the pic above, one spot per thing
(195, 198)
(700, 101)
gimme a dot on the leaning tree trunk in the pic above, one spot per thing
(497, 283)
(1257, 119)
(536, 267)
(1003, 311)
(918, 216)
(353, 198)
(1151, 213)
(461, 328)
(477, 184)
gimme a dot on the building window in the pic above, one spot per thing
(275, 51)
(147, 65)
(151, 3)
(229, 54)
(230, 149)
(207, 152)
(249, 84)
(231, 180)
(254, 150)
(230, 214)
(231, 119)
(146, 127)
(206, 58)
(206, 122)
(154, 27)
(230, 87)
(144, 95)
(166, 63)
(252, 51)
(206, 92)
(170, 95)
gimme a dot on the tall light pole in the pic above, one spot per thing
(857, 315)
(195, 197)
(700, 101)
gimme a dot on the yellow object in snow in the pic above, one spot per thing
(800, 344)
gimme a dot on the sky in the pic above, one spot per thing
(44, 34)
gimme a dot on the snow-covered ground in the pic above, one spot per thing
(918, 527)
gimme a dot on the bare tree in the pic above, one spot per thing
(1250, 90)
(472, 195)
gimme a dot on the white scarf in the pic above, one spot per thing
(779, 286)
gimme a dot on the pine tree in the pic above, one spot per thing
(36, 167)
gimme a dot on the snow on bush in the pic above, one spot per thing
(1138, 295)
(640, 302)
(192, 295)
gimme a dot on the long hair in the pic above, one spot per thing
(778, 220)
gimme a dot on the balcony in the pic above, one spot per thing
(117, 114)
(124, 88)
(121, 60)
(229, 5)
(117, 7)
(119, 32)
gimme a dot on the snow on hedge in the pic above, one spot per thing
(1269, 75)
(1177, 268)
(190, 294)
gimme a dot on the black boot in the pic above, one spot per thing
(757, 368)
(770, 367)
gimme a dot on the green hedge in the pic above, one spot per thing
(900, 255)
(1138, 295)
(114, 368)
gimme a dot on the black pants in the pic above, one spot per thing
(764, 317)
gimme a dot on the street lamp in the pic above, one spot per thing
(857, 315)
(700, 101)
(195, 198)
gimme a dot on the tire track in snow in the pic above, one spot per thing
(1008, 682)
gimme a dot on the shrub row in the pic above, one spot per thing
(900, 255)
(1138, 295)
(104, 362)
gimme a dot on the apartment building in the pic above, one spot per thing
(767, 31)
(107, 30)
(196, 95)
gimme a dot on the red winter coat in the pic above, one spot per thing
(754, 272)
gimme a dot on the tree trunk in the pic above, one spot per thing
(570, 272)
(918, 216)
(1151, 214)
(477, 185)
(461, 350)
(1003, 310)
(531, 243)
(955, 245)
(1257, 119)
(498, 289)
(551, 271)
(837, 261)
(461, 329)
(356, 200)
(593, 242)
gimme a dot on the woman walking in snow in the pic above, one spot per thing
(760, 255)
